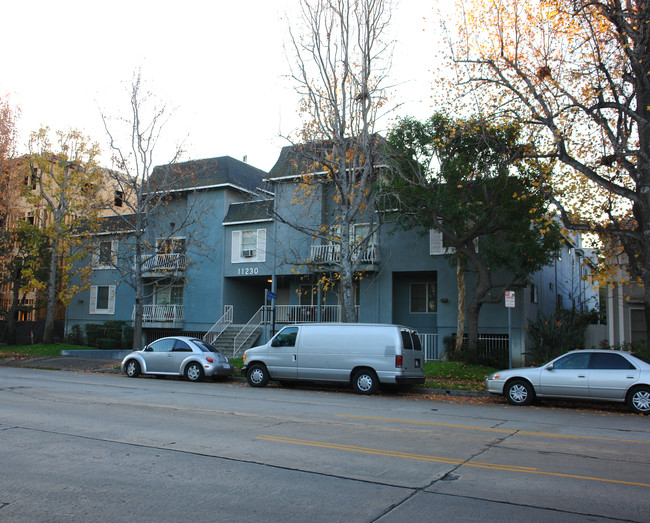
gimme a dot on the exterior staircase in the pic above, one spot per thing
(226, 341)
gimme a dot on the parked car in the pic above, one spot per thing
(360, 354)
(601, 375)
(178, 356)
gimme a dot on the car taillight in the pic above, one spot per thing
(210, 360)
(398, 361)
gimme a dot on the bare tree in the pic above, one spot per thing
(341, 61)
(148, 196)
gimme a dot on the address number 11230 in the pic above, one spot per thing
(247, 271)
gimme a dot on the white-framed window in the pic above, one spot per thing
(423, 298)
(438, 244)
(170, 295)
(248, 246)
(105, 255)
(102, 299)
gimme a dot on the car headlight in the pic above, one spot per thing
(244, 357)
(494, 376)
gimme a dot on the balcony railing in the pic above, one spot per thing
(331, 253)
(162, 313)
(163, 262)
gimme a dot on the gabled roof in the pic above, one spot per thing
(255, 211)
(209, 172)
(310, 157)
(299, 159)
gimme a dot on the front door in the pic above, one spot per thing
(568, 377)
(282, 360)
(158, 355)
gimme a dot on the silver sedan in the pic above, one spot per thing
(178, 356)
(602, 375)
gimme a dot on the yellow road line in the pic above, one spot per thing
(489, 429)
(437, 459)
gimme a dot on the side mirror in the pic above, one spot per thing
(147, 349)
(549, 366)
(275, 342)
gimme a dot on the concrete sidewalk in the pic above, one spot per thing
(64, 363)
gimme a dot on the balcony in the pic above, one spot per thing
(156, 265)
(330, 253)
(162, 316)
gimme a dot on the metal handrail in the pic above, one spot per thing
(260, 317)
(331, 253)
(221, 325)
(163, 262)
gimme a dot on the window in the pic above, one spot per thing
(164, 345)
(437, 243)
(181, 346)
(533, 293)
(423, 298)
(170, 295)
(248, 246)
(602, 360)
(573, 362)
(286, 337)
(102, 299)
(119, 198)
(105, 256)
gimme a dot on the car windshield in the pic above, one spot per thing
(205, 347)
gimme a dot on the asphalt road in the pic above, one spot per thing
(76, 446)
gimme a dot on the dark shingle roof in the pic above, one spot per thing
(310, 157)
(249, 211)
(208, 172)
(113, 224)
(299, 159)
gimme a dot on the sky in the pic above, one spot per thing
(220, 66)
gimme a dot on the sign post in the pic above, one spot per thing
(510, 304)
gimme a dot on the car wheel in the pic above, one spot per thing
(258, 376)
(519, 392)
(132, 369)
(194, 372)
(365, 381)
(639, 400)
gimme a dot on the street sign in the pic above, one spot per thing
(510, 299)
(271, 295)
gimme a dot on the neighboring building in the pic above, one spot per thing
(247, 255)
(625, 307)
(38, 215)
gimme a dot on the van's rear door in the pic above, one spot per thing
(412, 357)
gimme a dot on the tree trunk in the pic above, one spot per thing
(48, 335)
(460, 323)
(12, 314)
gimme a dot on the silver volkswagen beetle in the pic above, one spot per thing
(178, 356)
(600, 375)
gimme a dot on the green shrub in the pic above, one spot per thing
(637, 347)
(75, 336)
(112, 334)
(557, 333)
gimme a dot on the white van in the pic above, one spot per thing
(364, 355)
